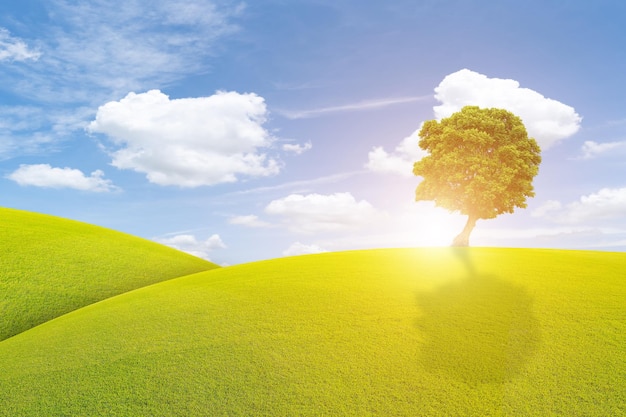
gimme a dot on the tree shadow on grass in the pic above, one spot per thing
(477, 330)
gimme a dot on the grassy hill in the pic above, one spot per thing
(407, 332)
(51, 266)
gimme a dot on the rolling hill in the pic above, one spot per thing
(51, 266)
(394, 332)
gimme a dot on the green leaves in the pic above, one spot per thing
(481, 162)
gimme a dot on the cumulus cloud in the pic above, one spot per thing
(607, 203)
(14, 49)
(314, 213)
(108, 48)
(297, 148)
(248, 221)
(43, 175)
(188, 142)
(547, 120)
(593, 149)
(190, 244)
(298, 248)
(400, 161)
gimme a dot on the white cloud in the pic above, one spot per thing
(405, 225)
(566, 236)
(359, 106)
(248, 221)
(607, 203)
(400, 161)
(27, 130)
(549, 206)
(547, 120)
(43, 175)
(298, 248)
(593, 149)
(188, 142)
(14, 49)
(314, 213)
(297, 148)
(604, 204)
(302, 184)
(89, 52)
(190, 244)
(530, 233)
(115, 46)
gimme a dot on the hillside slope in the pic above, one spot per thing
(436, 332)
(51, 266)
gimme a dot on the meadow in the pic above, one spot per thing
(390, 332)
(51, 266)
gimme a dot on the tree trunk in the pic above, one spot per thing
(463, 238)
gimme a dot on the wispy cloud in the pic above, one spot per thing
(14, 49)
(615, 122)
(580, 237)
(111, 48)
(280, 85)
(28, 130)
(302, 184)
(93, 52)
(358, 106)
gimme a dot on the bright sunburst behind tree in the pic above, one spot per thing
(481, 163)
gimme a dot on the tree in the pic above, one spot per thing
(481, 163)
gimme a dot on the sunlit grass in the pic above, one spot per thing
(51, 266)
(412, 332)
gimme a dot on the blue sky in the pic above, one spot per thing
(242, 131)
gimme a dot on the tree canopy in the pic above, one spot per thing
(481, 163)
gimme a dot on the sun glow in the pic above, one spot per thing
(434, 226)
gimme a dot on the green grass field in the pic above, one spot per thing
(395, 332)
(50, 266)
